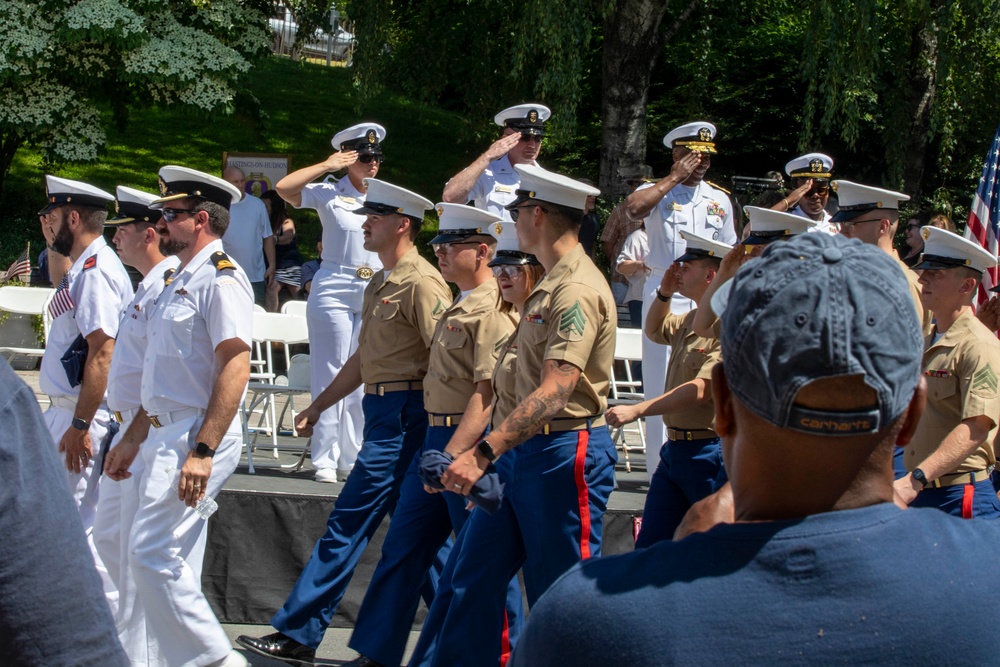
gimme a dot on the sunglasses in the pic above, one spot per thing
(448, 247)
(508, 270)
(368, 157)
(170, 214)
(515, 212)
(531, 137)
(913, 226)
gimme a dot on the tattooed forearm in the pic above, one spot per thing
(559, 379)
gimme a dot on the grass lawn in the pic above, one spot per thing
(305, 106)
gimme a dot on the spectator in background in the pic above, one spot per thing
(249, 238)
(914, 241)
(631, 263)
(288, 272)
(591, 223)
(619, 226)
(310, 268)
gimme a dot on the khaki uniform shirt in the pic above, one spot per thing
(399, 314)
(961, 371)
(691, 357)
(923, 314)
(570, 316)
(504, 382)
(466, 345)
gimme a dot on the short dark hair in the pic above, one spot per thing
(93, 218)
(416, 224)
(218, 215)
(565, 218)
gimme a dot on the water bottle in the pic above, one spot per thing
(205, 508)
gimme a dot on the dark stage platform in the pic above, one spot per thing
(267, 524)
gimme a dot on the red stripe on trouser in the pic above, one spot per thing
(582, 492)
(967, 492)
(505, 641)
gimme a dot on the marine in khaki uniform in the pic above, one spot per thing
(951, 455)
(555, 454)
(457, 397)
(871, 215)
(402, 306)
(690, 465)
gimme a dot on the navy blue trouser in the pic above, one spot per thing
(420, 526)
(689, 470)
(556, 492)
(395, 428)
(969, 501)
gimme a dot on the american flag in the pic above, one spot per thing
(984, 216)
(21, 265)
(61, 300)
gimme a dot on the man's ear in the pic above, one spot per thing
(725, 423)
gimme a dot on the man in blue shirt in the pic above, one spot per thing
(820, 380)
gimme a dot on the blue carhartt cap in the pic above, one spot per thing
(820, 306)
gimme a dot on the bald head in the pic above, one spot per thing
(235, 176)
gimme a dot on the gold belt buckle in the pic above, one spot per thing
(118, 417)
(380, 389)
(364, 272)
(447, 421)
(155, 421)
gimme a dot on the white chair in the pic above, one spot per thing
(294, 308)
(257, 308)
(265, 384)
(626, 390)
(27, 301)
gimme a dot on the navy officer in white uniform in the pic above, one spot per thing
(194, 377)
(681, 201)
(138, 246)
(810, 174)
(336, 294)
(88, 303)
(490, 181)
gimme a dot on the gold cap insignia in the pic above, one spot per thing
(533, 116)
(371, 136)
(925, 233)
(704, 134)
(163, 186)
(833, 186)
(439, 209)
(498, 228)
(816, 166)
(116, 207)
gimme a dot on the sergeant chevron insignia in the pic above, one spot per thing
(572, 323)
(985, 378)
(439, 308)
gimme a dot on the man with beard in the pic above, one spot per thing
(194, 377)
(682, 200)
(810, 174)
(490, 181)
(85, 313)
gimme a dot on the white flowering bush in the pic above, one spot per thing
(61, 61)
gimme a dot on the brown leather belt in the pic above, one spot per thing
(573, 424)
(443, 420)
(676, 434)
(962, 478)
(383, 388)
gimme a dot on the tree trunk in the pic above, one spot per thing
(9, 143)
(920, 101)
(632, 42)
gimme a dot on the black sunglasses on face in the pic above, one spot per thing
(170, 214)
(368, 157)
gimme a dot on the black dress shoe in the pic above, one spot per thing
(362, 661)
(280, 647)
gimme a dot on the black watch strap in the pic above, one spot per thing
(486, 450)
(80, 424)
(204, 450)
(919, 475)
(661, 297)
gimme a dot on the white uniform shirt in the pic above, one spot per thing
(635, 249)
(100, 289)
(343, 238)
(495, 188)
(703, 210)
(823, 225)
(198, 310)
(244, 238)
(125, 376)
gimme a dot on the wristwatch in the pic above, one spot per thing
(204, 450)
(919, 475)
(486, 450)
(80, 424)
(661, 297)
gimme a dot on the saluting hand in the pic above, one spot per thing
(502, 146)
(341, 159)
(798, 193)
(306, 421)
(733, 260)
(989, 314)
(684, 167)
(671, 281)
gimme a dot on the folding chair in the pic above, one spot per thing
(626, 390)
(294, 308)
(26, 301)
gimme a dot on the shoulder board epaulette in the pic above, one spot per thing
(168, 276)
(90, 262)
(222, 261)
(718, 187)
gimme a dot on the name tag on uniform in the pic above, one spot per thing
(503, 188)
(931, 373)
(677, 207)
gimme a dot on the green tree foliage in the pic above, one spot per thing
(60, 62)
